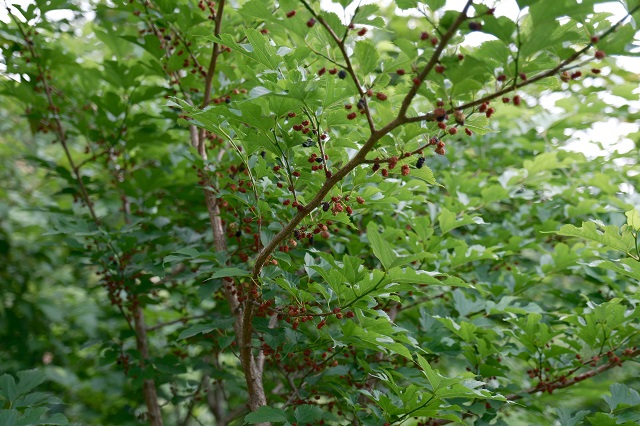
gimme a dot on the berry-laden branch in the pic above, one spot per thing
(614, 361)
(435, 57)
(563, 64)
(360, 156)
(349, 66)
(148, 386)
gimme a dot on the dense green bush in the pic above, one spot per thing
(258, 211)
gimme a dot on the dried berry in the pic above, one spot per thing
(458, 115)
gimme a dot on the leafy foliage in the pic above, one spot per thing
(304, 213)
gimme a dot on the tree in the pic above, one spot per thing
(269, 212)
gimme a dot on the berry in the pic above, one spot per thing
(506, 100)
(424, 36)
(460, 56)
(305, 123)
(595, 39)
(468, 131)
(321, 324)
(416, 81)
(440, 103)
(325, 206)
(441, 151)
(360, 200)
(375, 167)
(483, 107)
(523, 76)
(434, 40)
(440, 68)
(517, 100)
(442, 126)
(291, 114)
(342, 74)
(361, 104)
(453, 130)
(308, 143)
(475, 26)
(400, 71)
(311, 22)
(291, 14)
(362, 32)
(600, 54)
(420, 162)
(350, 314)
(576, 75)
(348, 106)
(405, 170)
(385, 172)
(322, 71)
(439, 113)
(489, 112)
(595, 70)
(333, 71)
(501, 77)
(351, 116)
(381, 96)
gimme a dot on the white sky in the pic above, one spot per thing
(610, 134)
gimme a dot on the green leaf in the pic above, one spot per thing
(633, 219)
(609, 236)
(308, 413)
(568, 418)
(381, 249)
(621, 395)
(230, 272)
(367, 56)
(8, 388)
(265, 414)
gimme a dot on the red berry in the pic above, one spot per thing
(475, 26)
(333, 71)
(595, 39)
(360, 200)
(405, 170)
(400, 71)
(490, 112)
(440, 68)
(434, 40)
(321, 324)
(311, 22)
(468, 131)
(291, 14)
(291, 114)
(595, 70)
(442, 125)
(349, 210)
(350, 314)
(424, 36)
(516, 100)
(460, 56)
(348, 106)
(501, 77)
(362, 32)
(351, 115)
(322, 71)
(385, 172)
(381, 96)
(440, 103)
(453, 130)
(416, 81)
(523, 76)
(441, 151)
(506, 100)
(600, 54)
(483, 107)
(576, 75)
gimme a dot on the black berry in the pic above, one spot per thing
(342, 74)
